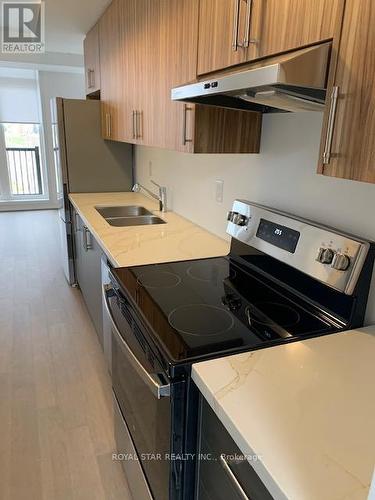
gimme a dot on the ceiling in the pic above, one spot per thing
(67, 21)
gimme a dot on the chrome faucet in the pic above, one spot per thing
(162, 197)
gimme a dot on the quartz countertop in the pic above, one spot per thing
(178, 239)
(307, 409)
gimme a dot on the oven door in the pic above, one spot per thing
(142, 404)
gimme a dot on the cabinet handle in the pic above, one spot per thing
(76, 222)
(134, 125)
(330, 126)
(185, 140)
(246, 40)
(138, 121)
(235, 25)
(108, 124)
(93, 78)
(233, 479)
(87, 239)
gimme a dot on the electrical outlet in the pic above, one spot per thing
(219, 191)
(150, 168)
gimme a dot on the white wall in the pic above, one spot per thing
(282, 176)
(56, 84)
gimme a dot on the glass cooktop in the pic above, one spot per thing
(210, 306)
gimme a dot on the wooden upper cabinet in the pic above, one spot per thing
(92, 60)
(347, 148)
(139, 45)
(282, 25)
(111, 61)
(148, 47)
(128, 68)
(218, 34)
(173, 122)
(144, 68)
(236, 31)
(188, 127)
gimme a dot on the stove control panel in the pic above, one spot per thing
(330, 256)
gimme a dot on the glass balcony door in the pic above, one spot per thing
(22, 176)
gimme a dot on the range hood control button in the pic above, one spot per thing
(325, 255)
(341, 262)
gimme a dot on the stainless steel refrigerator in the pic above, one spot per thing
(84, 163)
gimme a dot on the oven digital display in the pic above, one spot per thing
(280, 236)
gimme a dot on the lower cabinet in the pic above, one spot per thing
(223, 471)
(88, 272)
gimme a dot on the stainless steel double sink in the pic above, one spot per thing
(131, 215)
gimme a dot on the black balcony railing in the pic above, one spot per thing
(24, 171)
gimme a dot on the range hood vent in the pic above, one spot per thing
(292, 82)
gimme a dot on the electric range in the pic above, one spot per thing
(285, 279)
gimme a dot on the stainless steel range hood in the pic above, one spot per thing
(292, 82)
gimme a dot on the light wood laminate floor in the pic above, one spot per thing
(56, 429)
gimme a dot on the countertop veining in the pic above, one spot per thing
(179, 239)
(306, 408)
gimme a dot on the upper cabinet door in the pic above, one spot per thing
(129, 71)
(282, 25)
(347, 147)
(218, 37)
(92, 60)
(111, 61)
(176, 64)
(146, 60)
(237, 31)
(110, 67)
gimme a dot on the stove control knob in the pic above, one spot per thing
(238, 219)
(341, 262)
(232, 302)
(325, 255)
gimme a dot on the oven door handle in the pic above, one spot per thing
(152, 381)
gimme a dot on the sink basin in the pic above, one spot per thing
(123, 211)
(131, 215)
(143, 220)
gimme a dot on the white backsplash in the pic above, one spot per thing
(282, 176)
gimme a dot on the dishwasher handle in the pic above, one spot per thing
(152, 380)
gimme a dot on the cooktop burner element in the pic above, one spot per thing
(201, 319)
(270, 313)
(159, 279)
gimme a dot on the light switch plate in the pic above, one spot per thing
(219, 191)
